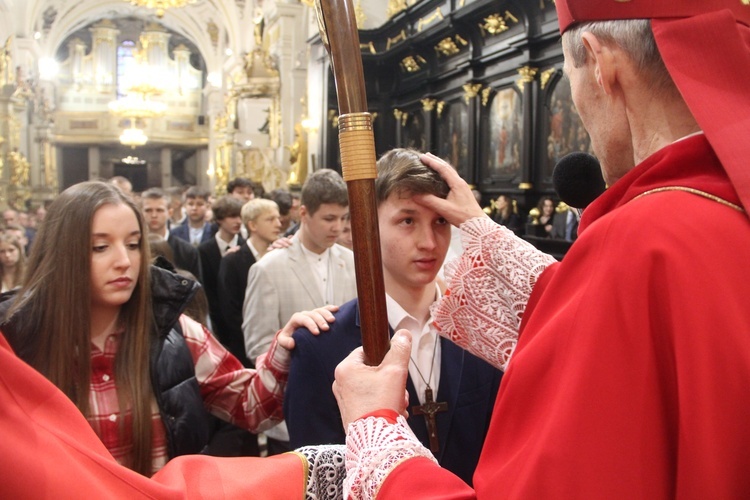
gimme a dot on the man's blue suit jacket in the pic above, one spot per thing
(183, 231)
(468, 384)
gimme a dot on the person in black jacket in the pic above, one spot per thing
(108, 330)
(262, 220)
(227, 240)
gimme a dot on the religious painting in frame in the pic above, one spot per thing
(414, 131)
(504, 140)
(565, 131)
(453, 135)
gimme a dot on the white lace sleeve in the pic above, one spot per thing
(374, 447)
(488, 288)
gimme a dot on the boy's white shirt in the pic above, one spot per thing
(425, 348)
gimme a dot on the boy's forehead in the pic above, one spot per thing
(401, 194)
(266, 212)
(403, 199)
(155, 201)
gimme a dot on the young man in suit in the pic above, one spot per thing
(177, 217)
(414, 241)
(241, 188)
(226, 212)
(195, 230)
(244, 190)
(261, 218)
(312, 272)
(156, 211)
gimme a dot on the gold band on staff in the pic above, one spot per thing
(357, 145)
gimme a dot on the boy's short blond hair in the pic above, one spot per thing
(256, 207)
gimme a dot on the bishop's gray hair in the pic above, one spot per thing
(634, 36)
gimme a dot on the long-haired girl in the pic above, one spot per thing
(12, 262)
(108, 330)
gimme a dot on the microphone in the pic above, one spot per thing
(578, 180)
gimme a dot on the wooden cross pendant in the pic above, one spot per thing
(429, 409)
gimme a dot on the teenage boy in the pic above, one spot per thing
(226, 211)
(195, 229)
(261, 218)
(156, 211)
(461, 387)
(242, 189)
(312, 272)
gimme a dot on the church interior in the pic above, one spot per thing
(197, 92)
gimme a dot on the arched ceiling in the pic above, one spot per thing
(130, 28)
(215, 27)
(211, 25)
(56, 19)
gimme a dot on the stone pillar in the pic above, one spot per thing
(287, 28)
(5, 115)
(94, 163)
(166, 167)
(203, 159)
(44, 177)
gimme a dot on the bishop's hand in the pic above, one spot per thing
(361, 389)
(460, 205)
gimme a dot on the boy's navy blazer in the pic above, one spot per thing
(183, 231)
(468, 384)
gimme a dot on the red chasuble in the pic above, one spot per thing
(631, 376)
(48, 450)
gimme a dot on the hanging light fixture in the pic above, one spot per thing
(133, 136)
(137, 106)
(160, 5)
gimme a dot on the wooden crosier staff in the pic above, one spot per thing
(338, 29)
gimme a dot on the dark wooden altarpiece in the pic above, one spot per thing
(477, 82)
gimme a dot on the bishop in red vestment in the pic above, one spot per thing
(630, 375)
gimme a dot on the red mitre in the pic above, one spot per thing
(705, 45)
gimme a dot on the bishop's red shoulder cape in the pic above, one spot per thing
(631, 375)
(48, 450)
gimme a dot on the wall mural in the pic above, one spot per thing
(506, 133)
(414, 132)
(566, 133)
(453, 140)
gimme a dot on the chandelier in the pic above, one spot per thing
(137, 105)
(160, 5)
(133, 136)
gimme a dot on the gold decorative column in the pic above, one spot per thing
(298, 158)
(18, 169)
(7, 88)
(222, 161)
(4, 144)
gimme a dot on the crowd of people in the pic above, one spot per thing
(621, 369)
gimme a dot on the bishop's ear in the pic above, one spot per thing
(603, 57)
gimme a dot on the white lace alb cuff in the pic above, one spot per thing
(489, 286)
(374, 447)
